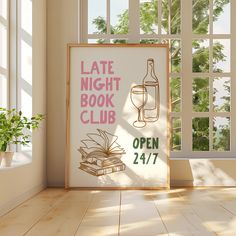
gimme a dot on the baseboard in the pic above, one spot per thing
(20, 199)
(181, 183)
(192, 183)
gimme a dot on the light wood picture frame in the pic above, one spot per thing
(117, 115)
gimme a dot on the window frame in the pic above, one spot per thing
(186, 36)
(14, 61)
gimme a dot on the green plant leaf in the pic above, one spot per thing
(13, 126)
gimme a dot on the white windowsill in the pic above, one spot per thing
(19, 159)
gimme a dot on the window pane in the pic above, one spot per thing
(26, 108)
(175, 52)
(148, 16)
(26, 16)
(200, 22)
(175, 87)
(200, 55)
(97, 23)
(3, 53)
(200, 94)
(101, 41)
(119, 16)
(221, 94)
(200, 129)
(3, 91)
(176, 134)
(3, 9)
(175, 17)
(221, 14)
(94, 40)
(175, 55)
(149, 41)
(3, 47)
(221, 133)
(26, 62)
(221, 55)
(26, 42)
(165, 17)
(171, 17)
(119, 41)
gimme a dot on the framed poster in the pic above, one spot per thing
(117, 117)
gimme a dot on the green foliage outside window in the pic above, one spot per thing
(221, 134)
(200, 128)
(176, 134)
(200, 25)
(201, 94)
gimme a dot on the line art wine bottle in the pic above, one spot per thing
(151, 108)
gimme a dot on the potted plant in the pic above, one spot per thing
(12, 131)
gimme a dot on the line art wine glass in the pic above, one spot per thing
(138, 96)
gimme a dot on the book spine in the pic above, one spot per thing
(108, 162)
(102, 171)
(109, 170)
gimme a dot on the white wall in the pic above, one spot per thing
(20, 183)
(203, 172)
(62, 28)
(62, 21)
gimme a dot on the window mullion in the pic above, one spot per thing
(108, 20)
(211, 38)
(159, 16)
(18, 54)
(8, 54)
(12, 54)
(211, 17)
(233, 81)
(169, 17)
(134, 25)
(211, 115)
(18, 61)
(210, 77)
(187, 77)
(83, 21)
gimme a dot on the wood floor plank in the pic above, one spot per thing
(102, 216)
(230, 206)
(182, 220)
(230, 230)
(22, 218)
(214, 217)
(177, 215)
(65, 217)
(177, 212)
(139, 216)
(215, 207)
(167, 197)
(199, 196)
(227, 200)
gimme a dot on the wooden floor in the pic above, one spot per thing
(134, 213)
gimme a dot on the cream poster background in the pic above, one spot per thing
(130, 65)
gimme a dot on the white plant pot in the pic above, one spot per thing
(7, 159)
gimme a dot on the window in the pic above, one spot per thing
(199, 33)
(211, 76)
(16, 56)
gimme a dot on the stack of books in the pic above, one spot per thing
(101, 154)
